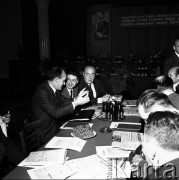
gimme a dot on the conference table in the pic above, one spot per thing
(101, 139)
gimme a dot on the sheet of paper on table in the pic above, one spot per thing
(46, 157)
(90, 167)
(74, 168)
(106, 152)
(126, 126)
(73, 143)
(126, 140)
(116, 124)
(131, 111)
(51, 172)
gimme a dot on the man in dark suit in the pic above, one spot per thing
(97, 92)
(71, 88)
(173, 73)
(49, 105)
(173, 60)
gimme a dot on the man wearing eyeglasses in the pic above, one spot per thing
(71, 88)
(97, 92)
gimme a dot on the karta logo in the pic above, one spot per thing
(167, 171)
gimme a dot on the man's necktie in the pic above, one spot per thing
(90, 91)
(56, 98)
(71, 93)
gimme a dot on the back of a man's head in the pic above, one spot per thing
(163, 82)
(54, 72)
(173, 73)
(163, 126)
(150, 101)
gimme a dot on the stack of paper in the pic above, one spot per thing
(46, 157)
(76, 144)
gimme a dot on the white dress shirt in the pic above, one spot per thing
(99, 100)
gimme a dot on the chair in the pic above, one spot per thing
(20, 115)
(29, 135)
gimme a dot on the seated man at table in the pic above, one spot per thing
(165, 84)
(151, 100)
(160, 146)
(97, 92)
(71, 88)
(173, 73)
(49, 105)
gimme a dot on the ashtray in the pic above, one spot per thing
(105, 130)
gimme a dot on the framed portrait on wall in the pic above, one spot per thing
(99, 30)
(101, 25)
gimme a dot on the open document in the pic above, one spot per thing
(51, 172)
(90, 167)
(93, 167)
(73, 143)
(46, 157)
(126, 140)
(106, 152)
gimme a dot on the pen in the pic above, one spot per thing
(103, 161)
(50, 176)
(123, 162)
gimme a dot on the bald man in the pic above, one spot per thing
(173, 60)
(173, 73)
(97, 92)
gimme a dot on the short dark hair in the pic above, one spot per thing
(162, 82)
(73, 72)
(164, 127)
(151, 96)
(54, 72)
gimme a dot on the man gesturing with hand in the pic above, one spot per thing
(49, 105)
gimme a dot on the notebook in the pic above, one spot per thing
(84, 115)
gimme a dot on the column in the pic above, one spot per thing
(43, 24)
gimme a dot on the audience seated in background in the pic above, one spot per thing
(97, 92)
(173, 73)
(48, 105)
(71, 88)
(165, 84)
(151, 100)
